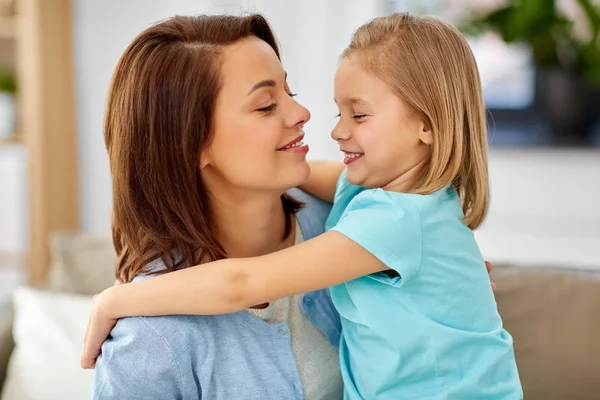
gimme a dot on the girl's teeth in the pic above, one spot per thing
(352, 155)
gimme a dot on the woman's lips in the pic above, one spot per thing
(297, 146)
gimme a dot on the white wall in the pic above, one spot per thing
(545, 203)
(545, 208)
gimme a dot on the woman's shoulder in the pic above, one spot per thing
(174, 339)
(138, 350)
(172, 332)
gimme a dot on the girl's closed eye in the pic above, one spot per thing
(356, 116)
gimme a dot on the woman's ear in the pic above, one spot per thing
(204, 159)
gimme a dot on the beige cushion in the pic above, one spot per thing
(554, 318)
(48, 332)
(6, 345)
(81, 263)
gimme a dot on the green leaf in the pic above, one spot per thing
(8, 83)
(547, 31)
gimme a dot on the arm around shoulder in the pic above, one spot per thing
(234, 284)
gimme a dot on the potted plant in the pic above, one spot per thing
(8, 89)
(567, 62)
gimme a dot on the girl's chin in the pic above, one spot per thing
(353, 177)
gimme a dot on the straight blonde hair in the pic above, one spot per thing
(429, 65)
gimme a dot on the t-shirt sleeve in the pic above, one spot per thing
(388, 226)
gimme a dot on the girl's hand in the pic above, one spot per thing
(98, 329)
(489, 266)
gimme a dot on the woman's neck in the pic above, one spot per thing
(249, 224)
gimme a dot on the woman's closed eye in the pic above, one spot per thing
(270, 108)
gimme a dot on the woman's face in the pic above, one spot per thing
(258, 126)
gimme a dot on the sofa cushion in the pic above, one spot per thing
(81, 263)
(554, 318)
(6, 345)
(48, 334)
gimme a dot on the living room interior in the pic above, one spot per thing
(542, 233)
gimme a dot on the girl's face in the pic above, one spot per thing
(258, 126)
(385, 144)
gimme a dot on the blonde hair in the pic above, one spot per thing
(429, 65)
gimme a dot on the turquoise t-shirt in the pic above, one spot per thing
(433, 332)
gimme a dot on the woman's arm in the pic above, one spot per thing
(235, 284)
(323, 178)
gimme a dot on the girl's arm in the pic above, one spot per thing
(323, 178)
(230, 285)
(236, 284)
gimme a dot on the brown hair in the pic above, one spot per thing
(430, 66)
(158, 121)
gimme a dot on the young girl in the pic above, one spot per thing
(419, 319)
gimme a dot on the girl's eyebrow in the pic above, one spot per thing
(354, 100)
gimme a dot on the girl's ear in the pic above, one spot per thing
(426, 134)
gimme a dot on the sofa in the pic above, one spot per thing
(553, 315)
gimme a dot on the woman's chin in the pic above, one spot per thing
(298, 174)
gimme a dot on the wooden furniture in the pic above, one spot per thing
(37, 43)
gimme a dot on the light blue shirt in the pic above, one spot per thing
(433, 332)
(218, 357)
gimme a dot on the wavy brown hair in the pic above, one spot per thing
(159, 114)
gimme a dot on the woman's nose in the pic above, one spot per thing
(300, 115)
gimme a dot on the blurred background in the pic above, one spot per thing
(540, 66)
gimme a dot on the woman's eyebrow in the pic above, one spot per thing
(262, 84)
(265, 83)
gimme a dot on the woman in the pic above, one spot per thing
(205, 140)
(199, 128)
